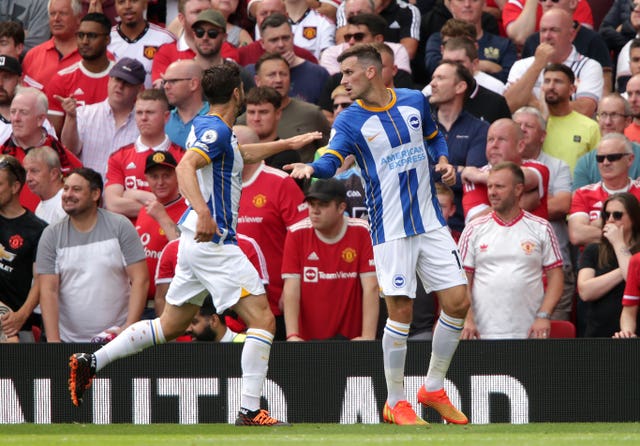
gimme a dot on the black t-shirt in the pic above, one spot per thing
(19, 242)
(602, 316)
(487, 105)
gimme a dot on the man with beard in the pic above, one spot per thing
(208, 326)
(569, 134)
(506, 254)
(135, 37)
(80, 299)
(86, 80)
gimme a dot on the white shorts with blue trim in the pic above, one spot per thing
(218, 269)
(433, 256)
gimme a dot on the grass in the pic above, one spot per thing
(544, 434)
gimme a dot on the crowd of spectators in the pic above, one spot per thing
(538, 102)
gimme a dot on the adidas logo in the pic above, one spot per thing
(313, 256)
(78, 92)
(131, 165)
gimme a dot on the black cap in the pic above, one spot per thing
(160, 158)
(10, 64)
(129, 70)
(327, 190)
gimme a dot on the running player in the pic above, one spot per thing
(209, 260)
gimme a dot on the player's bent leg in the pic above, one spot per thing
(255, 311)
(455, 303)
(134, 339)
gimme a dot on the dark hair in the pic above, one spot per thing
(462, 75)
(635, 43)
(382, 47)
(458, 28)
(14, 169)
(264, 95)
(563, 69)
(207, 308)
(98, 18)
(13, 30)
(218, 82)
(269, 56)
(275, 20)
(365, 53)
(516, 171)
(154, 94)
(94, 179)
(375, 23)
(606, 253)
(462, 43)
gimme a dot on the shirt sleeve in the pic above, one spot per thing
(46, 256)
(591, 81)
(631, 296)
(129, 240)
(55, 87)
(167, 263)
(291, 256)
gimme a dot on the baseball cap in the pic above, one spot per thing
(129, 70)
(213, 17)
(10, 64)
(160, 158)
(327, 190)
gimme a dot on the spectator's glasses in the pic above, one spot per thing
(91, 36)
(552, 1)
(211, 33)
(611, 157)
(341, 104)
(358, 37)
(613, 115)
(166, 82)
(617, 215)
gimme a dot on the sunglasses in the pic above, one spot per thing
(341, 104)
(552, 1)
(358, 37)
(211, 33)
(617, 215)
(91, 36)
(611, 157)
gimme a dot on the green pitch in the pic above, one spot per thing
(569, 434)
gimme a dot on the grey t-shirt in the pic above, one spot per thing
(94, 285)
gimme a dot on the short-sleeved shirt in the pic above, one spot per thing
(588, 200)
(507, 260)
(588, 72)
(476, 198)
(329, 271)
(270, 203)
(512, 9)
(42, 62)
(126, 165)
(77, 82)
(93, 296)
(389, 146)
(571, 136)
(143, 48)
(221, 179)
(18, 245)
(178, 131)
(632, 289)
(313, 32)
(153, 237)
(403, 21)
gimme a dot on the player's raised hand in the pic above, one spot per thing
(299, 141)
(299, 170)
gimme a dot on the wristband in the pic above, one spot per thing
(292, 335)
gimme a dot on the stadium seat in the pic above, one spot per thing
(562, 329)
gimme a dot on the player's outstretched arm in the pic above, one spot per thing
(254, 153)
(299, 171)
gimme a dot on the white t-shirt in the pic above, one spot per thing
(507, 261)
(314, 32)
(51, 210)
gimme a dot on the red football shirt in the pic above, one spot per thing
(631, 295)
(270, 202)
(76, 81)
(513, 8)
(329, 273)
(153, 238)
(42, 62)
(590, 198)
